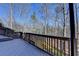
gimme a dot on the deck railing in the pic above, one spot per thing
(53, 45)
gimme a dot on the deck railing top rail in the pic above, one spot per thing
(42, 35)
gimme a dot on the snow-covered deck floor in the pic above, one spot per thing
(18, 47)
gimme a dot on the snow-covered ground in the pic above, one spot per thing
(4, 38)
(18, 47)
(1, 37)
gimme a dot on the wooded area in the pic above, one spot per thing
(48, 19)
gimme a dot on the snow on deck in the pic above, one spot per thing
(1, 37)
(18, 47)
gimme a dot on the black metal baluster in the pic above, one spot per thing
(51, 45)
(69, 48)
(57, 46)
(54, 46)
(47, 45)
(44, 43)
(60, 47)
(64, 47)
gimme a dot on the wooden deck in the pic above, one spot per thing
(18, 47)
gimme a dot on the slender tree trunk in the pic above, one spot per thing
(11, 16)
(56, 25)
(76, 26)
(46, 19)
(64, 24)
(76, 21)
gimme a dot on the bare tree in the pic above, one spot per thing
(22, 10)
(10, 20)
(60, 9)
(34, 20)
(44, 9)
